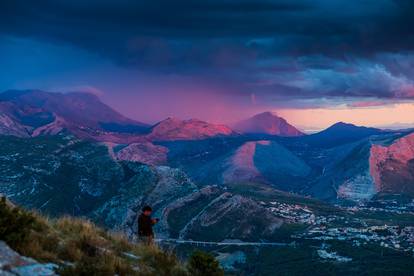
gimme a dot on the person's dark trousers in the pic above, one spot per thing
(146, 240)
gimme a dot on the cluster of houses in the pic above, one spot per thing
(396, 237)
(293, 212)
(347, 227)
(384, 205)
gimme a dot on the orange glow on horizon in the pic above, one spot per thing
(320, 118)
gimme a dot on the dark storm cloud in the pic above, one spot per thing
(319, 76)
(298, 27)
(304, 48)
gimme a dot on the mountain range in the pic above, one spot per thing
(343, 161)
(31, 113)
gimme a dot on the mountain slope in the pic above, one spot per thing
(233, 159)
(339, 133)
(265, 161)
(267, 123)
(345, 174)
(222, 215)
(193, 129)
(61, 175)
(358, 171)
(34, 112)
(9, 125)
(146, 153)
(35, 107)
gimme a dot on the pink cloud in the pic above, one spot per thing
(407, 90)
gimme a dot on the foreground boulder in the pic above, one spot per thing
(11, 263)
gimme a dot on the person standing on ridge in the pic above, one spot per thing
(145, 224)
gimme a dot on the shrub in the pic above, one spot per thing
(103, 265)
(157, 262)
(204, 264)
(15, 224)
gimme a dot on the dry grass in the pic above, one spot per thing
(82, 248)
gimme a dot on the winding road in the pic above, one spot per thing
(222, 243)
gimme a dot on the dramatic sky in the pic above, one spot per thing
(312, 61)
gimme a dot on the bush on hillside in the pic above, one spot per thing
(204, 264)
(15, 224)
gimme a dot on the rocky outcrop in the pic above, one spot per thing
(9, 126)
(53, 128)
(146, 153)
(392, 166)
(13, 264)
(357, 188)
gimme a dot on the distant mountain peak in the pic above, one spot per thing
(83, 114)
(267, 123)
(341, 123)
(169, 120)
(267, 113)
(191, 129)
(348, 126)
(341, 133)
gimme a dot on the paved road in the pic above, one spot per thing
(212, 243)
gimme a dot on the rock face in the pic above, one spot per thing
(146, 153)
(9, 124)
(193, 129)
(359, 187)
(392, 166)
(12, 264)
(345, 174)
(267, 123)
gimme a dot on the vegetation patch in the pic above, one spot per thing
(79, 247)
